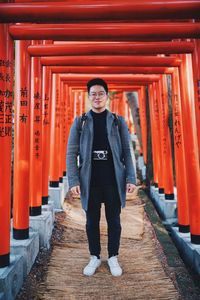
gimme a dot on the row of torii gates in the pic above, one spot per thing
(132, 45)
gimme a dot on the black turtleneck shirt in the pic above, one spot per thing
(102, 171)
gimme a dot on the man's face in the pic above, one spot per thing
(98, 98)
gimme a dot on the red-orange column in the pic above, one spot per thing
(46, 106)
(35, 192)
(157, 135)
(143, 124)
(83, 101)
(65, 125)
(161, 180)
(80, 101)
(6, 81)
(77, 103)
(191, 150)
(69, 106)
(62, 130)
(68, 110)
(196, 73)
(46, 111)
(179, 151)
(153, 133)
(21, 141)
(54, 135)
(166, 142)
(72, 103)
(126, 108)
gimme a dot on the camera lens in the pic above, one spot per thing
(101, 155)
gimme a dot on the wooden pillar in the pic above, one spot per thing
(21, 141)
(191, 150)
(154, 124)
(46, 110)
(166, 142)
(196, 75)
(6, 93)
(82, 100)
(143, 124)
(157, 134)
(54, 171)
(179, 151)
(65, 125)
(160, 140)
(62, 130)
(35, 183)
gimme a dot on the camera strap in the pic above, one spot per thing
(82, 122)
(117, 121)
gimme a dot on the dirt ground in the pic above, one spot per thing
(151, 264)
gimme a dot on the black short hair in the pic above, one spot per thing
(97, 81)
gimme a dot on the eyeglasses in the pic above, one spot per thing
(100, 94)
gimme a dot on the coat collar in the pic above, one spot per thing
(109, 114)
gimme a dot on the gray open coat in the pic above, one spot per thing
(119, 139)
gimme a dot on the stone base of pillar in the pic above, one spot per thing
(66, 185)
(43, 225)
(56, 196)
(141, 166)
(143, 170)
(189, 252)
(28, 248)
(50, 207)
(140, 162)
(11, 278)
(167, 209)
(153, 191)
(62, 190)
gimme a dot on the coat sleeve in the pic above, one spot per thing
(72, 154)
(126, 144)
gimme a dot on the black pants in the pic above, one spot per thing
(109, 195)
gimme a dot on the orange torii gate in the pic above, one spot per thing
(106, 48)
(105, 31)
(110, 70)
(109, 60)
(94, 11)
(186, 9)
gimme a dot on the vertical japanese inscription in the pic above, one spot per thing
(57, 119)
(23, 105)
(5, 98)
(46, 110)
(177, 122)
(37, 121)
(164, 125)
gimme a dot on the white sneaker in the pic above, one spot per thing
(115, 268)
(94, 263)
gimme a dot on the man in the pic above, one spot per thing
(105, 172)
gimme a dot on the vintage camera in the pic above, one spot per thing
(100, 155)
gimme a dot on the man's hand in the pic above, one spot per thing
(130, 187)
(75, 190)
